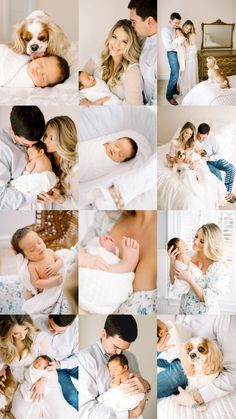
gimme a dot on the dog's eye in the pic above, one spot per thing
(42, 38)
(201, 349)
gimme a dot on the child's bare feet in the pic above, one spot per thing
(108, 243)
(130, 253)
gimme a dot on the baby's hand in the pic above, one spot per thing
(52, 269)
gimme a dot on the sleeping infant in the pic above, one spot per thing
(93, 89)
(182, 262)
(17, 71)
(35, 371)
(99, 158)
(115, 398)
(41, 178)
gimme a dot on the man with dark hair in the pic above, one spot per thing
(118, 333)
(168, 36)
(143, 16)
(214, 158)
(27, 127)
(63, 333)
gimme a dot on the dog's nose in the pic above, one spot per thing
(193, 355)
(34, 47)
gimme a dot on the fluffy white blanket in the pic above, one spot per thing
(180, 286)
(102, 292)
(98, 91)
(35, 183)
(119, 401)
(32, 375)
(12, 66)
(48, 301)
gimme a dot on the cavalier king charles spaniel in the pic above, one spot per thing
(202, 362)
(9, 389)
(38, 35)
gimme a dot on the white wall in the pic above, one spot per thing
(170, 118)
(10, 221)
(199, 11)
(144, 348)
(96, 18)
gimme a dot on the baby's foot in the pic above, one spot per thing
(108, 243)
(130, 253)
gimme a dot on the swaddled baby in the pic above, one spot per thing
(93, 89)
(99, 158)
(182, 262)
(41, 178)
(114, 397)
(35, 371)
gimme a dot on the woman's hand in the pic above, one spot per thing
(38, 390)
(92, 261)
(185, 275)
(193, 165)
(53, 196)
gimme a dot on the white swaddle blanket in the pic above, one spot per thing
(48, 301)
(119, 401)
(102, 292)
(32, 375)
(179, 334)
(35, 183)
(14, 69)
(93, 160)
(180, 286)
(98, 91)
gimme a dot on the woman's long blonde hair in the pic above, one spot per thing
(189, 23)
(131, 53)
(191, 141)
(213, 247)
(8, 351)
(65, 143)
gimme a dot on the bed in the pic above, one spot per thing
(61, 94)
(210, 94)
(104, 122)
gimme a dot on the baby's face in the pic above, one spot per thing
(44, 71)
(119, 150)
(182, 246)
(115, 368)
(32, 246)
(87, 80)
(40, 364)
(33, 153)
(162, 328)
(178, 32)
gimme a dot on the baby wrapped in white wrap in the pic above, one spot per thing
(98, 91)
(14, 69)
(102, 292)
(119, 401)
(35, 183)
(50, 299)
(32, 375)
(180, 286)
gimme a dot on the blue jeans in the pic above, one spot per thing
(174, 74)
(171, 378)
(223, 165)
(68, 389)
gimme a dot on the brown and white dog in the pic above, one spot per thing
(180, 162)
(38, 34)
(9, 389)
(216, 74)
(201, 360)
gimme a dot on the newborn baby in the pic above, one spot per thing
(40, 164)
(17, 71)
(94, 89)
(43, 264)
(182, 262)
(35, 371)
(99, 158)
(118, 369)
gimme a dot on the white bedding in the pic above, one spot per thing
(61, 94)
(35, 183)
(119, 401)
(206, 93)
(141, 124)
(223, 408)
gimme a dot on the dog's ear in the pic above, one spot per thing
(17, 45)
(57, 40)
(213, 363)
(188, 368)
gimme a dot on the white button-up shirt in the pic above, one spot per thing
(167, 36)
(148, 67)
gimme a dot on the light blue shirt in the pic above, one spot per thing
(168, 35)
(212, 147)
(148, 68)
(12, 164)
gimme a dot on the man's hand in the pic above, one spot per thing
(38, 390)
(184, 398)
(135, 385)
(54, 365)
(134, 413)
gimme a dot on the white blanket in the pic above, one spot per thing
(102, 292)
(119, 401)
(32, 375)
(98, 91)
(93, 160)
(209, 93)
(13, 69)
(35, 183)
(180, 286)
(48, 301)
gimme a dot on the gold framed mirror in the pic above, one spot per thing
(217, 35)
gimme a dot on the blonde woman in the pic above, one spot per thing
(20, 344)
(118, 65)
(189, 77)
(61, 140)
(208, 247)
